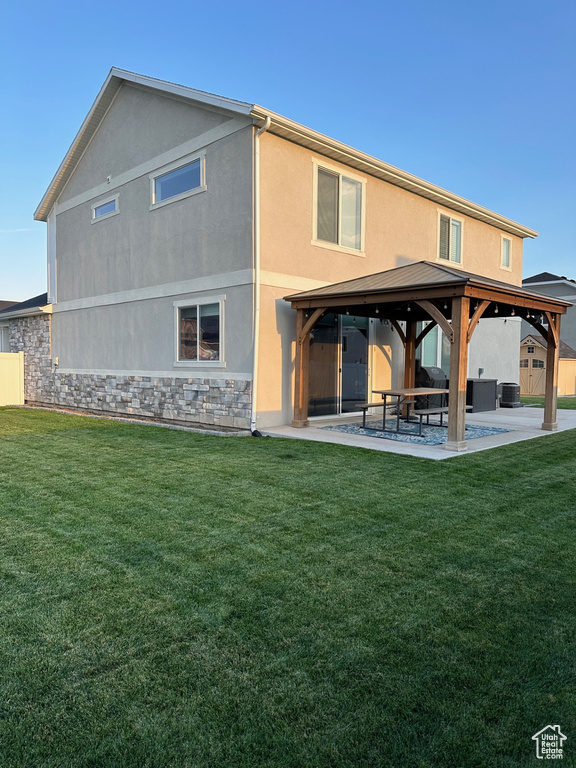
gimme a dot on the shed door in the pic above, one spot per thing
(537, 377)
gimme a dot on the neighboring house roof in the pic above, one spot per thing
(277, 125)
(37, 305)
(544, 278)
(565, 352)
(419, 274)
(6, 304)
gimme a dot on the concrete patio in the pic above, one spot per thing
(523, 424)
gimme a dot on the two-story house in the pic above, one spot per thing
(179, 221)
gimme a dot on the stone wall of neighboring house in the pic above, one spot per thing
(218, 402)
(31, 335)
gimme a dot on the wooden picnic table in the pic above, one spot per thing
(405, 395)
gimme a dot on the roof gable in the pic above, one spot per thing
(100, 107)
(139, 124)
(534, 340)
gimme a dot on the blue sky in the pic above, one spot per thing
(478, 98)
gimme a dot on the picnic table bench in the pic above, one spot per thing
(405, 396)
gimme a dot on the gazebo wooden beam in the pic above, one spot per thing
(435, 313)
(400, 330)
(424, 332)
(474, 320)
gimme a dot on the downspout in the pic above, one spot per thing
(256, 270)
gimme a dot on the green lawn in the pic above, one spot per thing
(173, 599)
(566, 403)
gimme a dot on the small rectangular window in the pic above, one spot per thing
(524, 363)
(177, 183)
(506, 253)
(450, 239)
(105, 208)
(339, 209)
(530, 350)
(199, 332)
(537, 363)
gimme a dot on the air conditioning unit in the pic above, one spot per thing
(510, 397)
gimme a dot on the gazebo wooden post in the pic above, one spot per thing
(458, 375)
(551, 392)
(410, 355)
(301, 372)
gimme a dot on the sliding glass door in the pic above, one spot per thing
(338, 377)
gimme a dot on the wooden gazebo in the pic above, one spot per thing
(448, 297)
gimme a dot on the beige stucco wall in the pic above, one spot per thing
(400, 228)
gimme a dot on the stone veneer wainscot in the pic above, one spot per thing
(218, 402)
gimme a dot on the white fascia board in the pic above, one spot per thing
(222, 102)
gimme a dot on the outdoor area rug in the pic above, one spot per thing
(431, 435)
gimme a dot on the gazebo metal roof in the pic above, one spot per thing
(422, 280)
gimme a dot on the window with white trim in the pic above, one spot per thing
(103, 209)
(177, 181)
(450, 239)
(199, 332)
(506, 256)
(339, 209)
(4, 338)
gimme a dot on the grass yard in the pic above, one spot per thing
(173, 599)
(566, 403)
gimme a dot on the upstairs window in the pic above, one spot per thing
(105, 208)
(506, 256)
(450, 239)
(177, 181)
(339, 209)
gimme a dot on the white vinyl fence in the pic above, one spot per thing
(11, 378)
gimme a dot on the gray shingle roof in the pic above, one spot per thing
(36, 301)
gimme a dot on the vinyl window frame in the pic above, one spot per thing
(341, 173)
(197, 303)
(508, 239)
(449, 215)
(176, 165)
(4, 337)
(100, 203)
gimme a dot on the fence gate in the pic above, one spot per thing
(11, 378)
